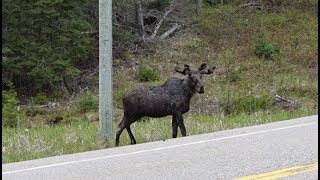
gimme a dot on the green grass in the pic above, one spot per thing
(45, 141)
(19, 144)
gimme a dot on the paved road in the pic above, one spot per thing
(286, 149)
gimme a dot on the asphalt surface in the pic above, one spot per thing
(226, 154)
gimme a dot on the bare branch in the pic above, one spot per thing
(161, 20)
(170, 31)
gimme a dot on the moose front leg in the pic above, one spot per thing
(178, 118)
(174, 126)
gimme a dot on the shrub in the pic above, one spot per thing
(228, 109)
(234, 76)
(198, 43)
(9, 102)
(263, 48)
(229, 57)
(147, 74)
(33, 111)
(121, 35)
(275, 19)
(247, 104)
(158, 4)
(40, 98)
(87, 102)
(250, 103)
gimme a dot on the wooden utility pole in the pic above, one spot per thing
(105, 71)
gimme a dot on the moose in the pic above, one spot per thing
(171, 98)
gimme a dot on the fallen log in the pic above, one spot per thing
(161, 20)
(170, 31)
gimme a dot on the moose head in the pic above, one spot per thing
(193, 79)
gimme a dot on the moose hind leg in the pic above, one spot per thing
(121, 127)
(133, 141)
(174, 127)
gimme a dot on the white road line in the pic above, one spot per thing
(155, 149)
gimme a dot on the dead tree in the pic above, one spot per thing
(198, 7)
(142, 31)
(170, 31)
(157, 27)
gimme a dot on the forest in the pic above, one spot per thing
(265, 53)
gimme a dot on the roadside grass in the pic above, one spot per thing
(239, 93)
(44, 141)
(20, 144)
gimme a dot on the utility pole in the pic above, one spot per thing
(105, 71)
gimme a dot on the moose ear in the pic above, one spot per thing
(203, 66)
(186, 70)
(186, 67)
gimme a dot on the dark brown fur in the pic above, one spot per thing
(171, 98)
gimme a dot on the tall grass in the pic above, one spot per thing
(19, 144)
(44, 141)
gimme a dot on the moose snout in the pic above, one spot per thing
(200, 90)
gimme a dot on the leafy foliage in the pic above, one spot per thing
(247, 104)
(9, 102)
(43, 41)
(159, 4)
(234, 76)
(198, 43)
(147, 74)
(263, 48)
(88, 102)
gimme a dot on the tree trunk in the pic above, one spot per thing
(199, 7)
(142, 31)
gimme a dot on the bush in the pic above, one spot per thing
(275, 19)
(9, 102)
(263, 48)
(234, 76)
(198, 43)
(40, 99)
(33, 111)
(158, 4)
(247, 104)
(147, 74)
(88, 102)
(250, 103)
(121, 35)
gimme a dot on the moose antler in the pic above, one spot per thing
(185, 71)
(204, 70)
(202, 67)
